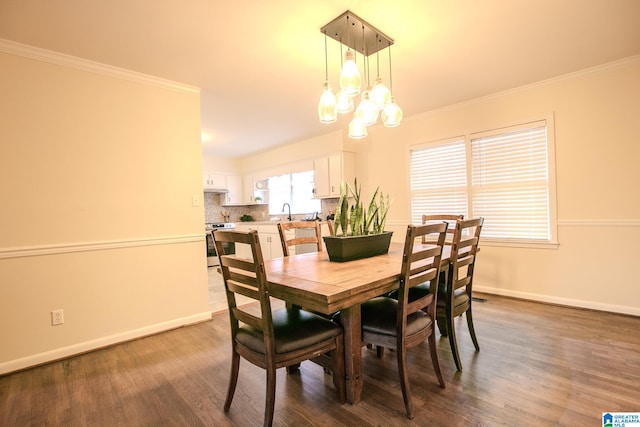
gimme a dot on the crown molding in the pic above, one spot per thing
(69, 61)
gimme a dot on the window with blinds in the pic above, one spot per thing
(439, 180)
(504, 175)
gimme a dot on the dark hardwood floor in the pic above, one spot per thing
(538, 365)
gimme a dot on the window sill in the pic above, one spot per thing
(517, 244)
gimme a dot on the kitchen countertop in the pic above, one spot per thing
(269, 222)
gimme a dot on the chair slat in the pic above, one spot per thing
(283, 227)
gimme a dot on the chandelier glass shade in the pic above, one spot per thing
(357, 129)
(350, 80)
(377, 101)
(345, 102)
(327, 111)
(367, 111)
(392, 114)
(380, 94)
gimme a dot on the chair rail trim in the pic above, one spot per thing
(64, 248)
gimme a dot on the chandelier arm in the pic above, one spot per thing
(326, 59)
(377, 59)
(390, 79)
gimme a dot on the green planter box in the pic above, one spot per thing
(341, 249)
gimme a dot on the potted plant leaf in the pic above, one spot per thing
(358, 231)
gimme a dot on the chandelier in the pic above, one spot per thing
(359, 37)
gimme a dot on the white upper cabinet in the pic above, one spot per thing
(255, 191)
(234, 185)
(330, 171)
(214, 181)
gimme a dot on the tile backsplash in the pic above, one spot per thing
(214, 211)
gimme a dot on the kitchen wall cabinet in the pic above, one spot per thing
(255, 191)
(214, 181)
(330, 171)
(234, 187)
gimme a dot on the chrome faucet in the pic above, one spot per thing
(289, 206)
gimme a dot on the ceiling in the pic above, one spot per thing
(260, 64)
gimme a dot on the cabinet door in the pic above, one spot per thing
(330, 171)
(234, 185)
(335, 175)
(275, 246)
(216, 181)
(242, 250)
(247, 189)
(321, 177)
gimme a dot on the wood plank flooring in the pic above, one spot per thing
(539, 365)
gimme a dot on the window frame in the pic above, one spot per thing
(468, 137)
(295, 206)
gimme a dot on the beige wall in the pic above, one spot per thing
(98, 168)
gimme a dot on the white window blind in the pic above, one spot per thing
(503, 175)
(439, 180)
(510, 183)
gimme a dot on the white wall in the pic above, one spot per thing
(98, 167)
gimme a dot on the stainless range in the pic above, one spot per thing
(212, 256)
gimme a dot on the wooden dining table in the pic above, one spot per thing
(313, 282)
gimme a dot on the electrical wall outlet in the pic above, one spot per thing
(57, 317)
(195, 201)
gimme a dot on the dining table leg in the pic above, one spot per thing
(350, 319)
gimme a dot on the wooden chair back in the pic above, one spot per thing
(315, 238)
(463, 255)
(420, 264)
(449, 219)
(245, 277)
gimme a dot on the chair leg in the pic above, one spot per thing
(472, 331)
(434, 358)
(339, 379)
(442, 314)
(233, 379)
(404, 380)
(379, 352)
(453, 343)
(270, 399)
(442, 325)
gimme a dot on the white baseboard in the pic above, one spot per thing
(633, 311)
(83, 347)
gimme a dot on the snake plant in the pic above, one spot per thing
(354, 219)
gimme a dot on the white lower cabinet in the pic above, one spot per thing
(269, 241)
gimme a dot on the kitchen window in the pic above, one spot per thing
(295, 189)
(505, 175)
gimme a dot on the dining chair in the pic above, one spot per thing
(454, 296)
(403, 323)
(271, 339)
(312, 226)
